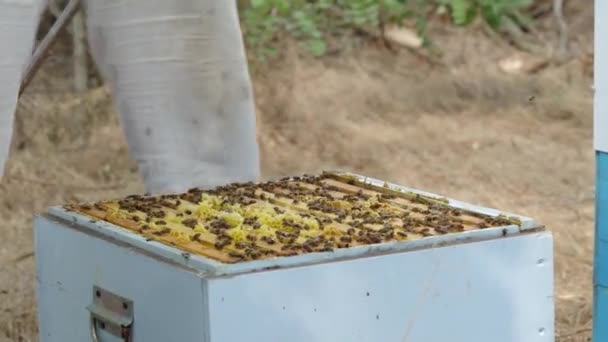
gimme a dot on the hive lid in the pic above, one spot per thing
(293, 221)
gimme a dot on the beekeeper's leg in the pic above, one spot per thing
(18, 25)
(179, 76)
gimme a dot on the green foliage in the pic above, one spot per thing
(494, 12)
(312, 22)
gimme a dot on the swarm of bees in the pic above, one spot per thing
(252, 221)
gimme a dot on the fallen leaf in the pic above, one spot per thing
(522, 63)
(511, 65)
(402, 36)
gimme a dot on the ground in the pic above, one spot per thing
(521, 142)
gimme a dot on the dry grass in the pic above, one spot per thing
(519, 143)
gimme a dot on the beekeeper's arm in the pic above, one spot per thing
(179, 76)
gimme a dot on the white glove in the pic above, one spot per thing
(178, 73)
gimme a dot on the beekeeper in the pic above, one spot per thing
(178, 74)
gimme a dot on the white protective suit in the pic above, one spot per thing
(178, 73)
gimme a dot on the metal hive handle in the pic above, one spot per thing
(113, 312)
(93, 321)
(126, 331)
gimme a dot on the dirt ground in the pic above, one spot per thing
(521, 142)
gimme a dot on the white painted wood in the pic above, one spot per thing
(215, 268)
(600, 125)
(495, 290)
(168, 300)
(499, 291)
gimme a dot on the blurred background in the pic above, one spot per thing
(486, 101)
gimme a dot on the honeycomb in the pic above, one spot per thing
(296, 215)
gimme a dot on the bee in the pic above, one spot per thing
(194, 190)
(314, 241)
(241, 245)
(190, 223)
(166, 203)
(371, 236)
(250, 221)
(307, 248)
(346, 239)
(441, 230)
(425, 232)
(386, 228)
(158, 214)
(236, 255)
(364, 240)
(253, 253)
(162, 232)
(327, 248)
(221, 243)
(220, 224)
(268, 240)
(224, 235)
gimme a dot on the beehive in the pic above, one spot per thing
(292, 216)
(325, 258)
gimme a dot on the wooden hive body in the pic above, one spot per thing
(353, 259)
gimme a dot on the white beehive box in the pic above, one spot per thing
(493, 284)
